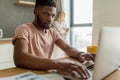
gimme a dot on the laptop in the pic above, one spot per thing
(108, 55)
(89, 66)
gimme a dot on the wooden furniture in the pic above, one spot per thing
(15, 71)
(6, 53)
(114, 76)
(25, 3)
(6, 41)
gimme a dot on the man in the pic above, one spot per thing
(34, 43)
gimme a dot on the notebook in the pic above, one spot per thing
(108, 55)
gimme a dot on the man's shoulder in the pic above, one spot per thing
(24, 26)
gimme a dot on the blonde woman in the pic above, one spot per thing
(60, 24)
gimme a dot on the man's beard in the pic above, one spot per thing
(41, 24)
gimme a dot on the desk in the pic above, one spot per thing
(15, 71)
(6, 41)
(114, 76)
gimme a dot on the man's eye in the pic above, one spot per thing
(53, 16)
(46, 14)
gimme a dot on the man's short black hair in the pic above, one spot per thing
(51, 3)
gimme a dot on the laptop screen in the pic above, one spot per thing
(108, 55)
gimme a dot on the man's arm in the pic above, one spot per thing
(72, 52)
(24, 59)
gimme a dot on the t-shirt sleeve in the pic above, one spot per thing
(20, 32)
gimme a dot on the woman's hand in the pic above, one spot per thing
(73, 70)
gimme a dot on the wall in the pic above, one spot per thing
(12, 15)
(105, 13)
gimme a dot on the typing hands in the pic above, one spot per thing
(77, 70)
(73, 70)
(87, 60)
(85, 57)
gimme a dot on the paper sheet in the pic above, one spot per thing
(32, 76)
(53, 76)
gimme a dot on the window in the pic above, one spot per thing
(81, 23)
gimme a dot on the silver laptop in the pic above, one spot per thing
(108, 56)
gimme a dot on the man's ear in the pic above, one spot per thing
(35, 12)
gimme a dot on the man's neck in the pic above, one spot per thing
(38, 27)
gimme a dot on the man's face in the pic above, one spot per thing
(45, 16)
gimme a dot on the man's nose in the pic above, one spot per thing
(50, 18)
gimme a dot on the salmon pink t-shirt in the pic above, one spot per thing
(39, 43)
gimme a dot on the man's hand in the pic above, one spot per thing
(88, 57)
(73, 70)
(85, 57)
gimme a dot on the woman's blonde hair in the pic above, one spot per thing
(60, 12)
